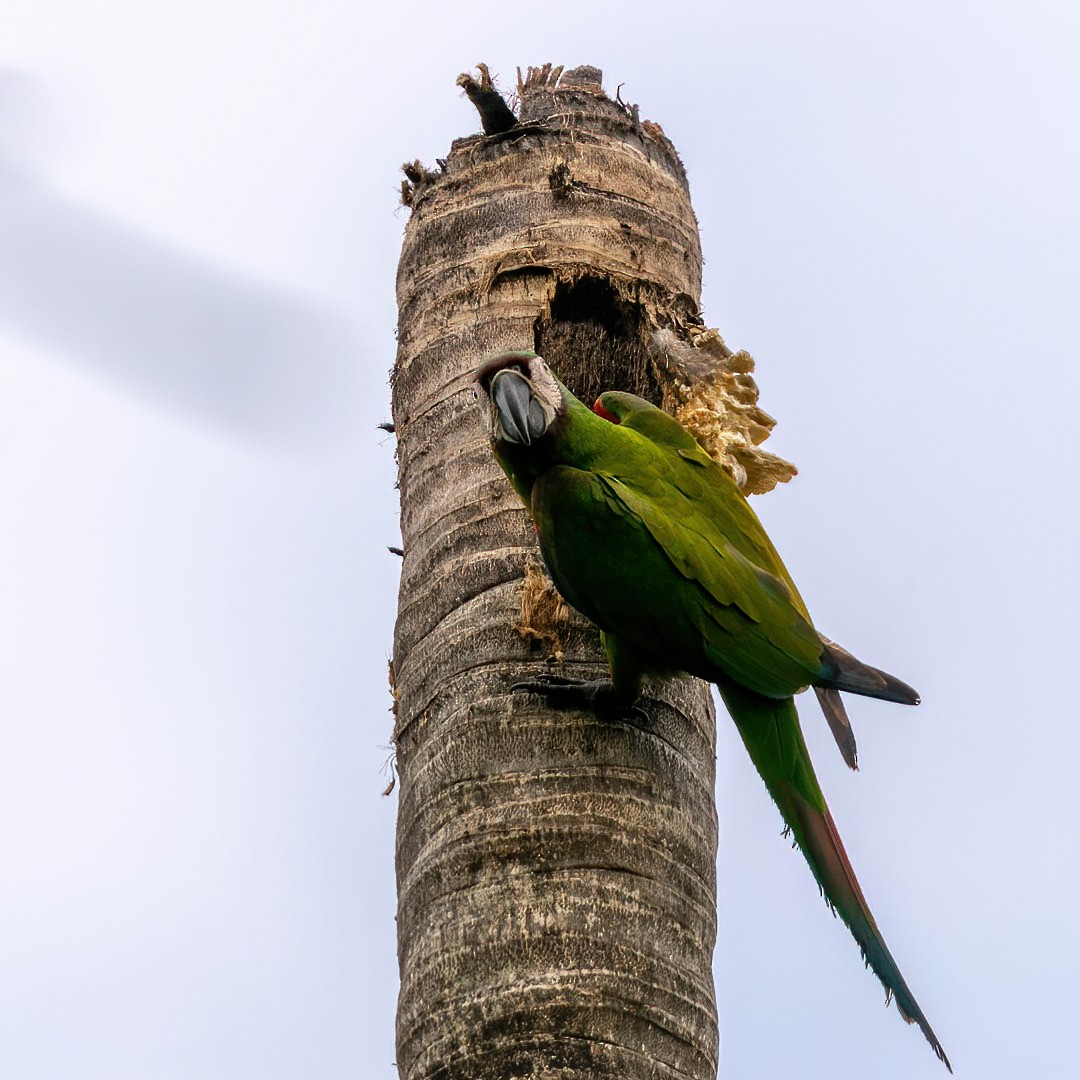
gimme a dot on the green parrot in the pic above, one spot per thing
(649, 538)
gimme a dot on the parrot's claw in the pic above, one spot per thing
(598, 696)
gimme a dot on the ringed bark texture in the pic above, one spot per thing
(556, 873)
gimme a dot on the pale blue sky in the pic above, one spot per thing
(198, 241)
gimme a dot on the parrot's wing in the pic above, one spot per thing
(832, 705)
(701, 479)
(640, 560)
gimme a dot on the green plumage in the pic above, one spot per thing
(649, 538)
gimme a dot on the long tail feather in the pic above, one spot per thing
(770, 730)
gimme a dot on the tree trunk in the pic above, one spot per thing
(556, 873)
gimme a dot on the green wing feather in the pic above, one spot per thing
(704, 481)
(708, 482)
(677, 571)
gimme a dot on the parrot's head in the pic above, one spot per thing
(525, 397)
(615, 405)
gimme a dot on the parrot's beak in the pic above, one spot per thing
(519, 415)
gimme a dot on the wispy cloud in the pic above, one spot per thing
(175, 329)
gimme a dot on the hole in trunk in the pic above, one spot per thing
(594, 340)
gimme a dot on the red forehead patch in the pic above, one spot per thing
(598, 408)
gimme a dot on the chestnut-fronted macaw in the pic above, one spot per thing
(654, 542)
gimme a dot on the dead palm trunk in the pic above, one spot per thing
(556, 873)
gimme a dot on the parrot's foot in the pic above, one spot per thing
(599, 696)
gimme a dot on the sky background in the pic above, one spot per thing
(197, 602)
